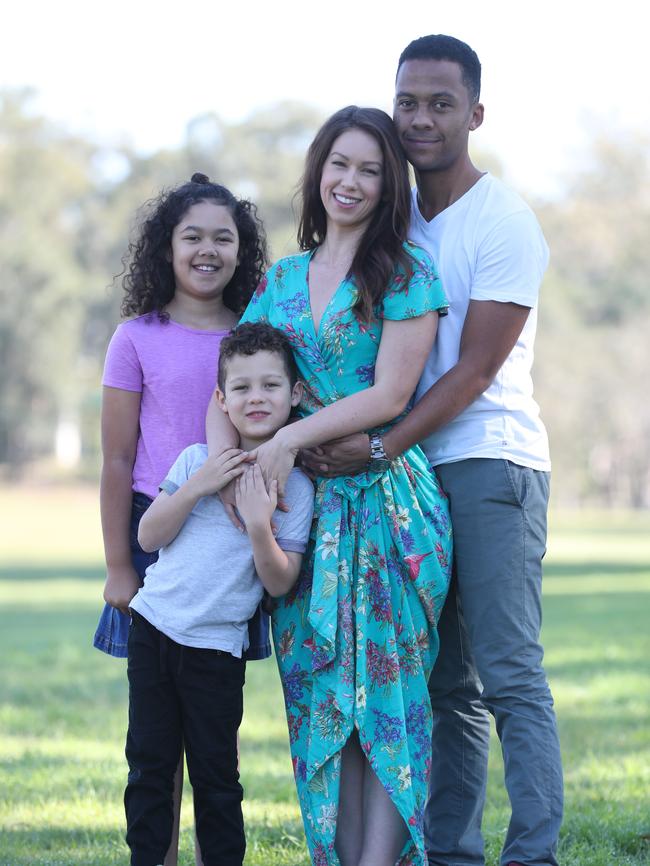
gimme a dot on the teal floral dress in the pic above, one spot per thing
(356, 638)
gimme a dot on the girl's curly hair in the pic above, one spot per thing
(149, 279)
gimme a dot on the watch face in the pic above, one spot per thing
(379, 464)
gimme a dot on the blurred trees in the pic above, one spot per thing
(44, 191)
(592, 355)
(67, 207)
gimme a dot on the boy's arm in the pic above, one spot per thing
(276, 568)
(163, 520)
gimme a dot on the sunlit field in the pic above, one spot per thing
(63, 704)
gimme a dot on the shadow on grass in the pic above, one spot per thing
(22, 845)
(558, 568)
(61, 846)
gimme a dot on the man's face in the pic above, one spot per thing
(434, 113)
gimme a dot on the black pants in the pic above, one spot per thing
(181, 694)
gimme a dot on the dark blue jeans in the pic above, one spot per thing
(179, 696)
(112, 631)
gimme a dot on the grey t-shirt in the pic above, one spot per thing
(203, 589)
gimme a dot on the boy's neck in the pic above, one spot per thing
(247, 444)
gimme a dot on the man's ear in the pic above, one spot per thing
(296, 393)
(221, 400)
(476, 118)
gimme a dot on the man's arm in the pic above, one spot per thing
(490, 333)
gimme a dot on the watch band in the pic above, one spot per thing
(377, 447)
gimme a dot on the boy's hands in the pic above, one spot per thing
(255, 504)
(217, 472)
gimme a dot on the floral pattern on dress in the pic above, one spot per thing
(356, 637)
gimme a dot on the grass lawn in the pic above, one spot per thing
(63, 704)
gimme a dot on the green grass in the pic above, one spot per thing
(63, 704)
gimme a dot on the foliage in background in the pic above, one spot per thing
(67, 207)
(592, 356)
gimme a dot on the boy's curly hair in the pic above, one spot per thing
(250, 338)
(149, 280)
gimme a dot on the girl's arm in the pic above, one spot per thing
(120, 424)
(403, 350)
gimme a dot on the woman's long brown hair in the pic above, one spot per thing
(381, 248)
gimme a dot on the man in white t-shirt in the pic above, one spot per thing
(480, 427)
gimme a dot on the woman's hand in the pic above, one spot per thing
(276, 459)
(348, 455)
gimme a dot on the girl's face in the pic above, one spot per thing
(204, 250)
(352, 180)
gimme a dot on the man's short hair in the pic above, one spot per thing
(250, 338)
(441, 47)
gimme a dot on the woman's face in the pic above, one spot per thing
(352, 180)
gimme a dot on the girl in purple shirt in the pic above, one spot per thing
(198, 257)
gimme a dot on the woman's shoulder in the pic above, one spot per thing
(290, 264)
(282, 276)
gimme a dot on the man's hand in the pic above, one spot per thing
(346, 456)
(254, 502)
(122, 583)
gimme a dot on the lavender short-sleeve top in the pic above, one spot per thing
(175, 370)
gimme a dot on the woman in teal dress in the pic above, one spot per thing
(356, 638)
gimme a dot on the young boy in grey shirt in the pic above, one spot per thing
(189, 620)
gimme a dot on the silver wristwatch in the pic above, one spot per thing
(378, 462)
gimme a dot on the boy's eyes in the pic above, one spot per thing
(265, 384)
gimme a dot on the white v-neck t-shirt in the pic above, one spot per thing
(487, 246)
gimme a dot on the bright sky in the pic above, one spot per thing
(555, 73)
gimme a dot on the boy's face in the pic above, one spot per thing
(258, 396)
